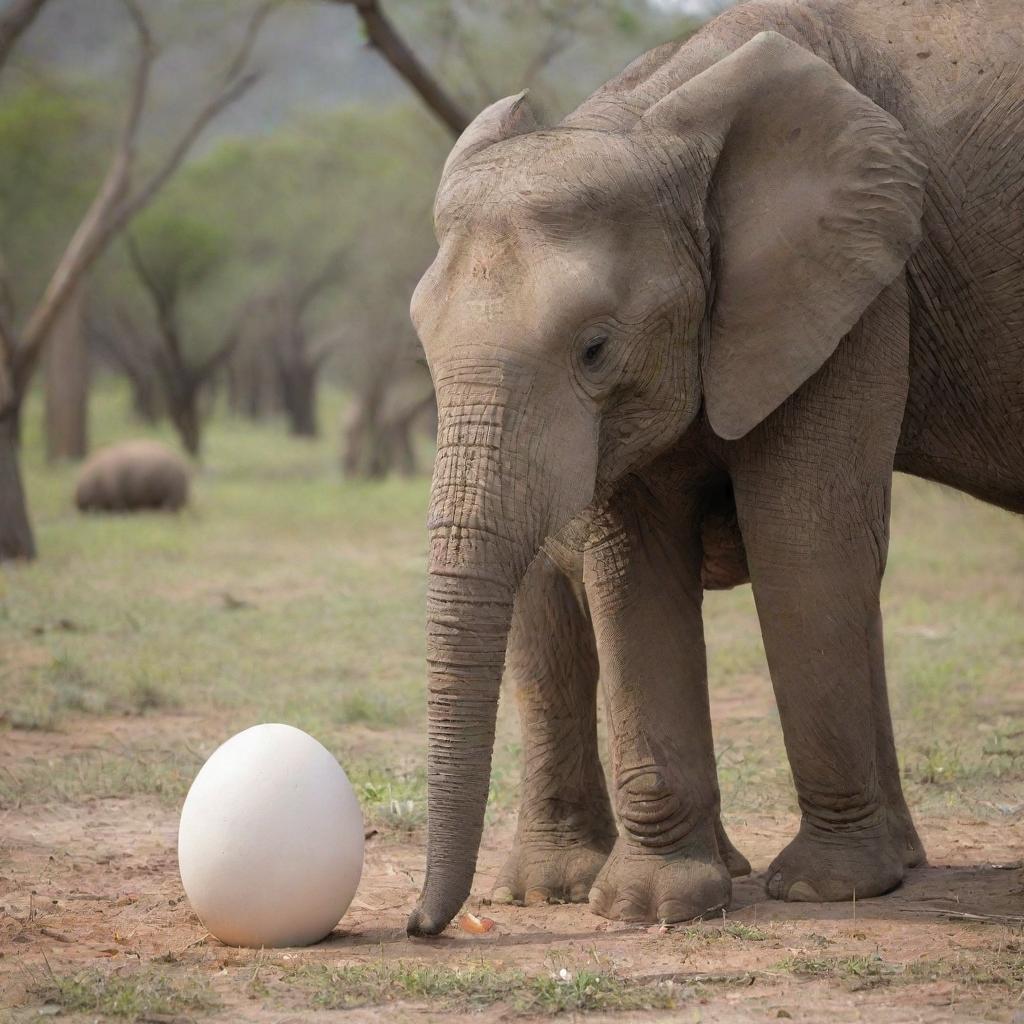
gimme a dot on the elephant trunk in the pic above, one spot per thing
(467, 630)
(479, 551)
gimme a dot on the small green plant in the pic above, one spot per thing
(394, 800)
(149, 693)
(938, 766)
(582, 991)
(863, 971)
(711, 932)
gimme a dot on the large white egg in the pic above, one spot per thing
(270, 845)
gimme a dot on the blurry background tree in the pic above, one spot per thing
(341, 156)
(170, 257)
(121, 194)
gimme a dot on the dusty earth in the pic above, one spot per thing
(94, 887)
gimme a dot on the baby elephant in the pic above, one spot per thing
(133, 475)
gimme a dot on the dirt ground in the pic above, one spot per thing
(94, 887)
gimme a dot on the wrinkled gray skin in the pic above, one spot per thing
(690, 332)
(132, 476)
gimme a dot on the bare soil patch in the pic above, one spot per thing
(93, 887)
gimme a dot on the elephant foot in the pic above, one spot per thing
(822, 866)
(546, 870)
(736, 864)
(641, 884)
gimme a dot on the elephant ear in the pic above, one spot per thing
(501, 120)
(814, 197)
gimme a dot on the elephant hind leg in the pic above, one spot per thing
(724, 561)
(901, 825)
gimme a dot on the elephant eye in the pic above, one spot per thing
(592, 351)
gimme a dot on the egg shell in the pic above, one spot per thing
(270, 844)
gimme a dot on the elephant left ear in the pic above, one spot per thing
(813, 199)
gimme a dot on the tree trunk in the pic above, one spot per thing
(16, 540)
(188, 428)
(145, 397)
(186, 419)
(253, 384)
(299, 389)
(67, 385)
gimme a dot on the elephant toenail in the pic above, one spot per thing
(802, 892)
(502, 894)
(774, 886)
(535, 896)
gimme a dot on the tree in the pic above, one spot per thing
(389, 397)
(120, 196)
(297, 358)
(383, 37)
(181, 253)
(115, 338)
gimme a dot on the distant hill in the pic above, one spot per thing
(313, 54)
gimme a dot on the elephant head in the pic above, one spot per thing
(592, 292)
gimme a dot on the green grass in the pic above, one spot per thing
(473, 987)
(287, 593)
(1003, 967)
(143, 994)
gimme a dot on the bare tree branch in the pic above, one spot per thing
(15, 20)
(235, 83)
(219, 356)
(116, 202)
(328, 275)
(89, 237)
(7, 336)
(556, 43)
(164, 301)
(384, 38)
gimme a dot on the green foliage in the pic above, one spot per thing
(49, 168)
(179, 251)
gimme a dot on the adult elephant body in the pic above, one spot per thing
(690, 332)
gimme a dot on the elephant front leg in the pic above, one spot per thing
(643, 582)
(565, 829)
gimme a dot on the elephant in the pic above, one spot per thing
(684, 338)
(131, 476)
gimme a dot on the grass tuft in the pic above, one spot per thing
(141, 995)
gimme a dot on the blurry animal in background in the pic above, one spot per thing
(132, 476)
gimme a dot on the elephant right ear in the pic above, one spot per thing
(501, 120)
(813, 195)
